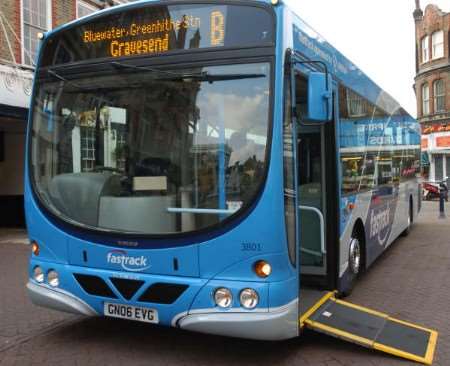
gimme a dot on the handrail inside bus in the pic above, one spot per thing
(311, 252)
(200, 211)
(322, 225)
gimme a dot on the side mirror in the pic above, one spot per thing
(320, 97)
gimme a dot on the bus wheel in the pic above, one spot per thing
(410, 219)
(354, 257)
(355, 262)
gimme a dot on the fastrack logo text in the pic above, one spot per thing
(379, 222)
(128, 263)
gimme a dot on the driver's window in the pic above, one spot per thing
(301, 93)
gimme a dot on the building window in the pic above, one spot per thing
(120, 150)
(357, 106)
(437, 40)
(84, 9)
(36, 19)
(425, 99)
(87, 149)
(439, 96)
(425, 52)
(447, 165)
(438, 168)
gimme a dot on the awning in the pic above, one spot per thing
(15, 86)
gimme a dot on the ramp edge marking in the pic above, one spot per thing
(313, 309)
(431, 347)
(429, 354)
(340, 333)
(428, 359)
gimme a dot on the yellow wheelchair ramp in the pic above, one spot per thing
(370, 329)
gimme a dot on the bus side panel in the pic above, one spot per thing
(391, 164)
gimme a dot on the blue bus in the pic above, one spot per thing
(209, 165)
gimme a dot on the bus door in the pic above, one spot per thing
(312, 202)
(316, 156)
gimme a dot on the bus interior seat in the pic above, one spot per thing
(77, 195)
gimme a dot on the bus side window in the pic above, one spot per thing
(366, 142)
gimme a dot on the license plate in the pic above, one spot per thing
(121, 311)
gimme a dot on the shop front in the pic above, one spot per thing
(15, 90)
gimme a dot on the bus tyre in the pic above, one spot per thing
(354, 259)
(410, 220)
(355, 264)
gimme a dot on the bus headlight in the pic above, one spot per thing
(38, 274)
(223, 297)
(249, 298)
(53, 278)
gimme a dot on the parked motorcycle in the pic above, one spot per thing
(431, 190)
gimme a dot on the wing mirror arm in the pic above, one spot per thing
(320, 94)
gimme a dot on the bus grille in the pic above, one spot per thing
(163, 293)
(94, 285)
(157, 293)
(127, 288)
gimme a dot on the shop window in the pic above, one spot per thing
(447, 162)
(439, 96)
(437, 48)
(36, 19)
(438, 168)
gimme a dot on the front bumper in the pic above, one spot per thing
(277, 324)
(194, 310)
(44, 295)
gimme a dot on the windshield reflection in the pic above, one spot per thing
(150, 152)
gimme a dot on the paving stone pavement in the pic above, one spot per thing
(410, 281)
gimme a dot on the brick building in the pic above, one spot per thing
(20, 23)
(432, 87)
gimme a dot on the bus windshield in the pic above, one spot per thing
(140, 150)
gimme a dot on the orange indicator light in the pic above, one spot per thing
(263, 269)
(35, 248)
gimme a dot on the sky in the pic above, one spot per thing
(377, 36)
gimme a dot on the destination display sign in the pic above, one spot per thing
(156, 30)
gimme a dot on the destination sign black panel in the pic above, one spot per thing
(156, 30)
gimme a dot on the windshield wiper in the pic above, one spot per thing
(151, 69)
(67, 81)
(101, 100)
(189, 77)
(211, 78)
